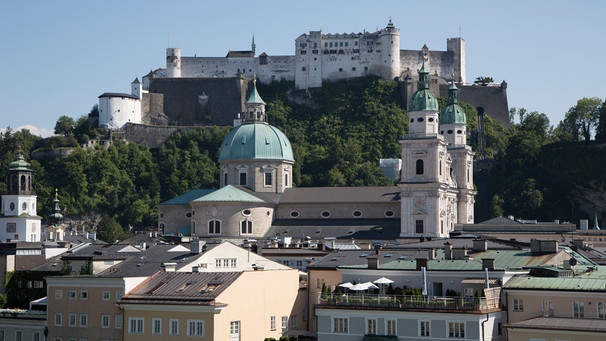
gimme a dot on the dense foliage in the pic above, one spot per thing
(338, 134)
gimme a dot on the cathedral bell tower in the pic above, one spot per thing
(429, 190)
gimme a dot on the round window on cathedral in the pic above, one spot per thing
(459, 131)
(12, 206)
(412, 120)
(246, 213)
(294, 214)
(357, 213)
(430, 119)
(450, 131)
(442, 132)
(188, 215)
(24, 206)
(325, 214)
(420, 119)
(161, 215)
(389, 213)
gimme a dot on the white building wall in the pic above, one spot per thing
(116, 111)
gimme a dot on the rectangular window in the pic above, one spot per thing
(272, 323)
(106, 296)
(118, 321)
(105, 321)
(268, 179)
(58, 319)
(284, 324)
(242, 179)
(371, 327)
(456, 330)
(424, 328)
(293, 322)
(135, 325)
(232, 262)
(18, 335)
(156, 326)
(35, 337)
(234, 328)
(419, 226)
(72, 320)
(83, 320)
(340, 325)
(119, 295)
(195, 328)
(391, 327)
(73, 294)
(518, 304)
(214, 227)
(84, 295)
(59, 294)
(578, 309)
(547, 307)
(601, 310)
(174, 327)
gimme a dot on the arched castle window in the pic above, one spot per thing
(419, 167)
(23, 182)
(214, 226)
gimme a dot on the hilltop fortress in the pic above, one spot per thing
(202, 91)
(321, 57)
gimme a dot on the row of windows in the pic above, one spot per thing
(73, 294)
(285, 321)
(267, 179)
(81, 320)
(340, 69)
(341, 325)
(578, 308)
(355, 214)
(19, 336)
(136, 325)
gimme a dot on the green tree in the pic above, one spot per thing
(582, 119)
(65, 126)
(483, 80)
(109, 230)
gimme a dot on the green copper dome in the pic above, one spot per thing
(20, 164)
(453, 113)
(423, 98)
(257, 140)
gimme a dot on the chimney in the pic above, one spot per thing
(169, 267)
(373, 262)
(488, 263)
(459, 254)
(480, 245)
(377, 249)
(197, 246)
(421, 263)
(447, 250)
(584, 224)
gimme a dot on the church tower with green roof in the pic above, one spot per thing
(256, 154)
(431, 195)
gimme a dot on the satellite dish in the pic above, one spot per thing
(572, 261)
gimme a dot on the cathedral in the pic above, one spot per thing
(257, 198)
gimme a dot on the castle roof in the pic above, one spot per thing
(117, 94)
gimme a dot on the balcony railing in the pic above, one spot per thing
(405, 302)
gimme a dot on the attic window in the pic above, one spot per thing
(325, 214)
(357, 213)
(185, 286)
(389, 213)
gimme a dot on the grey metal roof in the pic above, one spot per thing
(559, 323)
(185, 198)
(318, 195)
(117, 94)
(365, 229)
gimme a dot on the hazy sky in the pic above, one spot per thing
(57, 57)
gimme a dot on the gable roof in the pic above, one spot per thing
(181, 288)
(229, 193)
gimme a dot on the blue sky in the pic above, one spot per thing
(57, 57)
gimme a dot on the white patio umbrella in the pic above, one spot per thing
(359, 287)
(383, 282)
(346, 285)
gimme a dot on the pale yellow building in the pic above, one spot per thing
(248, 305)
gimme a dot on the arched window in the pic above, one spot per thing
(246, 227)
(214, 226)
(23, 182)
(419, 166)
